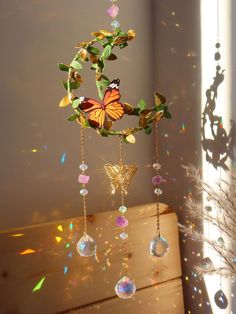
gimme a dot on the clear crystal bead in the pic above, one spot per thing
(86, 246)
(83, 167)
(122, 209)
(158, 191)
(115, 24)
(156, 166)
(125, 288)
(123, 235)
(83, 192)
(158, 246)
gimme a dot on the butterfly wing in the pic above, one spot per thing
(88, 104)
(111, 101)
(97, 114)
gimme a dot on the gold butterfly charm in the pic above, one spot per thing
(120, 176)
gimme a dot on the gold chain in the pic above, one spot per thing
(157, 196)
(83, 185)
(124, 242)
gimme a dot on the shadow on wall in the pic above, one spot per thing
(219, 147)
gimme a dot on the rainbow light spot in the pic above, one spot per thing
(17, 235)
(39, 284)
(66, 270)
(71, 226)
(27, 251)
(60, 228)
(63, 158)
(58, 239)
(221, 122)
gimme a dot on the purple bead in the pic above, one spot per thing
(158, 180)
(83, 179)
(113, 11)
(121, 222)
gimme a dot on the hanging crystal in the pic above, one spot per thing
(158, 246)
(221, 300)
(125, 288)
(86, 246)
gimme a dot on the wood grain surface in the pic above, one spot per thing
(72, 282)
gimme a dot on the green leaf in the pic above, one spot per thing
(94, 66)
(93, 50)
(106, 52)
(103, 133)
(75, 103)
(117, 31)
(123, 45)
(100, 65)
(104, 81)
(73, 117)
(148, 130)
(101, 89)
(142, 104)
(161, 107)
(167, 114)
(63, 67)
(102, 85)
(136, 111)
(76, 65)
(73, 85)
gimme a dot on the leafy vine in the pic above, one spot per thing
(89, 52)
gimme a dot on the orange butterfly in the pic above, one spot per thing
(109, 108)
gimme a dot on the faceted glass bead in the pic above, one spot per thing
(221, 300)
(83, 192)
(122, 222)
(113, 11)
(125, 288)
(122, 209)
(156, 166)
(158, 191)
(123, 235)
(115, 24)
(156, 180)
(158, 246)
(86, 246)
(83, 167)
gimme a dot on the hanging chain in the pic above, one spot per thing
(124, 241)
(157, 196)
(83, 185)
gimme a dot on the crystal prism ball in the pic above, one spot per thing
(86, 246)
(125, 288)
(158, 246)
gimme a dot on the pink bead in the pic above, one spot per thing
(113, 11)
(158, 180)
(121, 222)
(83, 179)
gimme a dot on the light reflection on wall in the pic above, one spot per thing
(215, 19)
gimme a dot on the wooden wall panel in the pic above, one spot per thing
(84, 280)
